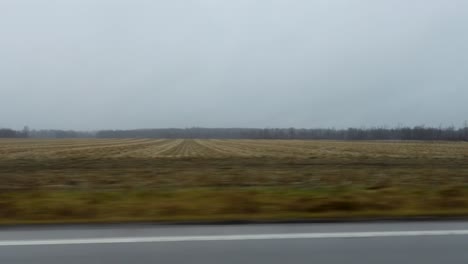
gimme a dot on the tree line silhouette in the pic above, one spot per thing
(399, 133)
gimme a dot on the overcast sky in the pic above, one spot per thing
(119, 64)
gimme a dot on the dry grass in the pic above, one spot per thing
(144, 179)
(226, 204)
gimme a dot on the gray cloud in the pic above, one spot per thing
(83, 64)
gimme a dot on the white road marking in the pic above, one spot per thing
(117, 240)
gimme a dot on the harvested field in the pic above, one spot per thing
(279, 175)
(211, 148)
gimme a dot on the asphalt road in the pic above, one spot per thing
(390, 242)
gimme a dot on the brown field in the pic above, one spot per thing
(160, 179)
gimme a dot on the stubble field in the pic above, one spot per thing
(190, 179)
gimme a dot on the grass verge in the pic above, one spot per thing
(228, 204)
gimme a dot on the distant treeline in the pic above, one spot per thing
(26, 133)
(10, 133)
(404, 133)
(61, 134)
(400, 133)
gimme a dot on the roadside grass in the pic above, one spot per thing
(228, 204)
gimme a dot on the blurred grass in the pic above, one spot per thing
(227, 172)
(222, 204)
